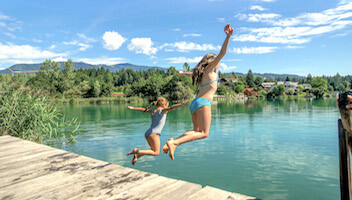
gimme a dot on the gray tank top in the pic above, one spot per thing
(158, 122)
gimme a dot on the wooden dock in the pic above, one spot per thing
(34, 171)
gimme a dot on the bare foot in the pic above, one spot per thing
(165, 149)
(135, 158)
(134, 151)
(172, 146)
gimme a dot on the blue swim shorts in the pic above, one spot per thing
(198, 103)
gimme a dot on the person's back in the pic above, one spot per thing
(158, 122)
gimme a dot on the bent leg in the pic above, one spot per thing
(165, 148)
(203, 116)
(154, 143)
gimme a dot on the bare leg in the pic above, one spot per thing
(203, 116)
(154, 143)
(165, 148)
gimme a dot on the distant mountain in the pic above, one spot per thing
(81, 65)
(117, 67)
(271, 75)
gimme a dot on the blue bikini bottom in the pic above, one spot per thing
(198, 103)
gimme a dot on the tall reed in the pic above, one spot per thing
(31, 115)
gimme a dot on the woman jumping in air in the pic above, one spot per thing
(158, 121)
(205, 76)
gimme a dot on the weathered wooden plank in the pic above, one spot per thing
(210, 193)
(236, 196)
(36, 171)
(182, 189)
(20, 162)
(113, 177)
(345, 168)
(68, 168)
(7, 139)
(21, 170)
(142, 191)
(20, 153)
(156, 189)
(13, 144)
(105, 187)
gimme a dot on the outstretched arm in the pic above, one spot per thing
(228, 30)
(182, 73)
(138, 109)
(173, 107)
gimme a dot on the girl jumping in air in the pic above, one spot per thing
(205, 76)
(152, 135)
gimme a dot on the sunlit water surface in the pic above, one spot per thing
(275, 149)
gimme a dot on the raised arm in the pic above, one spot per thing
(173, 107)
(228, 30)
(182, 73)
(139, 109)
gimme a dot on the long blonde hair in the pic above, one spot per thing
(159, 102)
(199, 68)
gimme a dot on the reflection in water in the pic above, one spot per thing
(271, 149)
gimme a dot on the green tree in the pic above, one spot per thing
(239, 87)
(96, 89)
(291, 91)
(186, 67)
(250, 79)
(258, 80)
(278, 90)
(222, 90)
(319, 86)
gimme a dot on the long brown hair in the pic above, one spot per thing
(199, 68)
(159, 102)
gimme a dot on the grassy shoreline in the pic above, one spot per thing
(102, 100)
(122, 99)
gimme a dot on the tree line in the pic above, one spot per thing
(68, 83)
(320, 85)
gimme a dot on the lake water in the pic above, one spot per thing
(275, 149)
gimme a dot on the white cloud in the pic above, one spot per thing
(225, 68)
(73, 42)
(327, 17)
(184, 59)
(11, 53)
(142, 45)
(60, 59)
(220, 19)
(265, 17)
(36, 40)
(102, 61)
(184, 46)
(83, 46)
(52, 47)
(112, 40)
(4, 17)
(10, 35)
(85, 38)
(256, 7)
(253, 50)
(294, 47)
(192, 35)
(176, 29)
(9, 23)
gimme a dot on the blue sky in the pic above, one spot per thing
(277, 36)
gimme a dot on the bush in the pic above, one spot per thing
(30, 115)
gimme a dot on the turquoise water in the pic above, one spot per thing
(278, 149)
